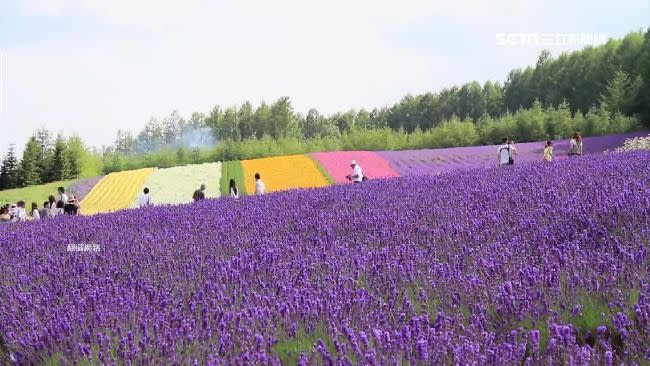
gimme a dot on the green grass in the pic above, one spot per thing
(322, 170)
(288, 349)
(232, 169)
(31, 194)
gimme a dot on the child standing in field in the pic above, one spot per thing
(52, 210)
(19, 214)
(145, 198)
(260, 188)
(199, 194)
(548, 151)
(44, 213)
(233, 189)
(35, 214)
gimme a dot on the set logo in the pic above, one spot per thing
(550, 39)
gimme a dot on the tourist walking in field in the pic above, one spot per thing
(260, 188)
(575, 146)
(35, 214)
(357, 175)
(19, 214)
(503, 153)
(199, 194)
(233, 189)
(145, 199)
(62, 196)
(548, 151)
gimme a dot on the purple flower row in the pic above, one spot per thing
(487, 266)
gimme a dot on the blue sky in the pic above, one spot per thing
(89, 67)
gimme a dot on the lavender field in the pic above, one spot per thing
(437, 161)
(526, 265)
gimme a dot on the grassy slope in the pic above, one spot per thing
(232, 169)
(31, 194)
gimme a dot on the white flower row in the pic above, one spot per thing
(637, 143)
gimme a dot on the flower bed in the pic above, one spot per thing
(115, 191)
(177, 184)
(337, 164)
(283, 172)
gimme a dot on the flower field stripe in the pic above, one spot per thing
(322, 170)
(283, 172)
(437, 161)
(82, 187)
(232, 170)
(175, 185)
(337, 164)
(115, 191)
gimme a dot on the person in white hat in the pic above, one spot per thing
(357, 172)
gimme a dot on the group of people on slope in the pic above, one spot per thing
(145, 199)
(64, 204)
(507, 150)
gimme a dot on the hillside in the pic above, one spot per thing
(175, 185)
(531, 265)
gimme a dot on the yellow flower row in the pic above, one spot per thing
(283, 172)
(115, 191)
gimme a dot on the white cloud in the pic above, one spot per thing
(148, 57)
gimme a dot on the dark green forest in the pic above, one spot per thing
(594, 91)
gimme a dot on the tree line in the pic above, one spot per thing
(46, 159)
(597, 90)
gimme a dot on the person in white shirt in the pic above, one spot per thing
(260, 188)
(35, 214)
(503, 153)
(575, 146)
(145, 198)
(51, 211)
(357, 173)
(19, 214)
(233, 189)
(63, 197)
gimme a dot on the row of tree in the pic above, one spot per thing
(616, 75)
(595, 89)
(43, 160)
(533, 124)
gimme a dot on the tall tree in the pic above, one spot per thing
(60, 164)
(262, 120)
(283, 121)
(30, 168)
(246, 119)
(9, 169)
(150, 138)
(76, 153)
(44, 140)
(619, 93)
